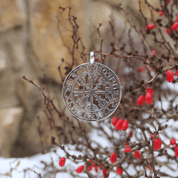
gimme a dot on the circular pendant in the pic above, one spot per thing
(91, 92)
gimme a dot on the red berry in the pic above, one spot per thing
(80, 169)
(141, 69)
(173, 141)
(126, 144)
(168, 31)
(157, 143)
(149, 167)
(151, 135)
(89, 168)
(113, 157)
(161, 13)
(127, 149)
(125, 125)
(151, 26)
(114, 120)
(140, 100)
(105, 173)
(119, 171)
(176, 73)
(62, 162)
(176, 150)
(168, 1)
(169, 76)
(130, 133)
(148, 98)
(119, 124)
(153, 52)
(174, 26)
(137, 154)
(150, 90)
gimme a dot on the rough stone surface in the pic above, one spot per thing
(9, 128)
(11, 14)
(49, 42)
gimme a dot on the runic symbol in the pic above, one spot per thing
(92, 92)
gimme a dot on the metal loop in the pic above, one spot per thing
(92, 59)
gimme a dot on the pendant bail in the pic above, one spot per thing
(92, 59)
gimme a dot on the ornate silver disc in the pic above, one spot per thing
(91, 92)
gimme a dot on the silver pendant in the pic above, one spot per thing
(91, 91)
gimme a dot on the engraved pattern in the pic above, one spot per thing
(91, 92)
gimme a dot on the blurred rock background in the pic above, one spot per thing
(34, 36)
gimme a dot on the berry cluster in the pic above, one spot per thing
(120, 124)
(148, 97)
(174, 27)
(113, 158)
(90, 165)
(173, 142)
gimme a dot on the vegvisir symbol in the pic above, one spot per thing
(91, 92)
